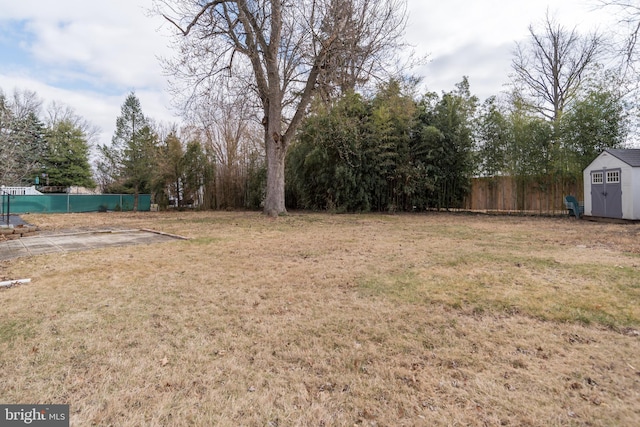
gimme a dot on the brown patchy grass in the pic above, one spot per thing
(314, 319)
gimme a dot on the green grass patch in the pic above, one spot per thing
(404, 286)
(13, 329)
(205, 240)
(538, 287)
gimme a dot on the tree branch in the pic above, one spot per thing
(195, 20)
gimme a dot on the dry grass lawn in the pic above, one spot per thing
(330, 320)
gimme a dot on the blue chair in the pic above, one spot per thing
(573, 207)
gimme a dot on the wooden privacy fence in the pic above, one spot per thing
(544, 196)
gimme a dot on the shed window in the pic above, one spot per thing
(596, 178)
(613, 177)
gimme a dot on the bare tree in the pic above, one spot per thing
(24, 103)
(282, 51)
(553, 65)
(57, 112)
(21, 137)
(8, 150)
(628, 12)
(231, 134)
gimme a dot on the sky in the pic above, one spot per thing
(90, 55)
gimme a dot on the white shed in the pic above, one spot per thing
(612, 185)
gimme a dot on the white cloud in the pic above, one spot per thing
(114, 42)
(487, 68)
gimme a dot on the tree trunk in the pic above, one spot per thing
(178, 192)
(276, 153)
(136, 193)
(275, 142)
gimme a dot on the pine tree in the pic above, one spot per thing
(66, 161)
(128, 164)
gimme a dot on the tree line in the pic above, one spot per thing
(181, 167)
(398, 152)
(190, 166)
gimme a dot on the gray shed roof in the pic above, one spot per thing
(630, 156)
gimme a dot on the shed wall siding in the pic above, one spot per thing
(586, 179)
(627, 192)
(635, 193)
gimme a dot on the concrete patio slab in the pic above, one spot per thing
(79, 241)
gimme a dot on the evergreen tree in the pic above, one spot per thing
(129, 163)
(449, 146)
(66, 161)
(326, 167)
(184, 173)
(594, 123)
(170, 172)
(392, 120)
(385, 154)
(198, 173)
(494, 137)
(424, 172)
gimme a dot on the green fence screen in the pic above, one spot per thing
(65, 203)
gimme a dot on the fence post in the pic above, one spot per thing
(5, 193)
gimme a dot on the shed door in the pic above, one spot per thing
(606, 193)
